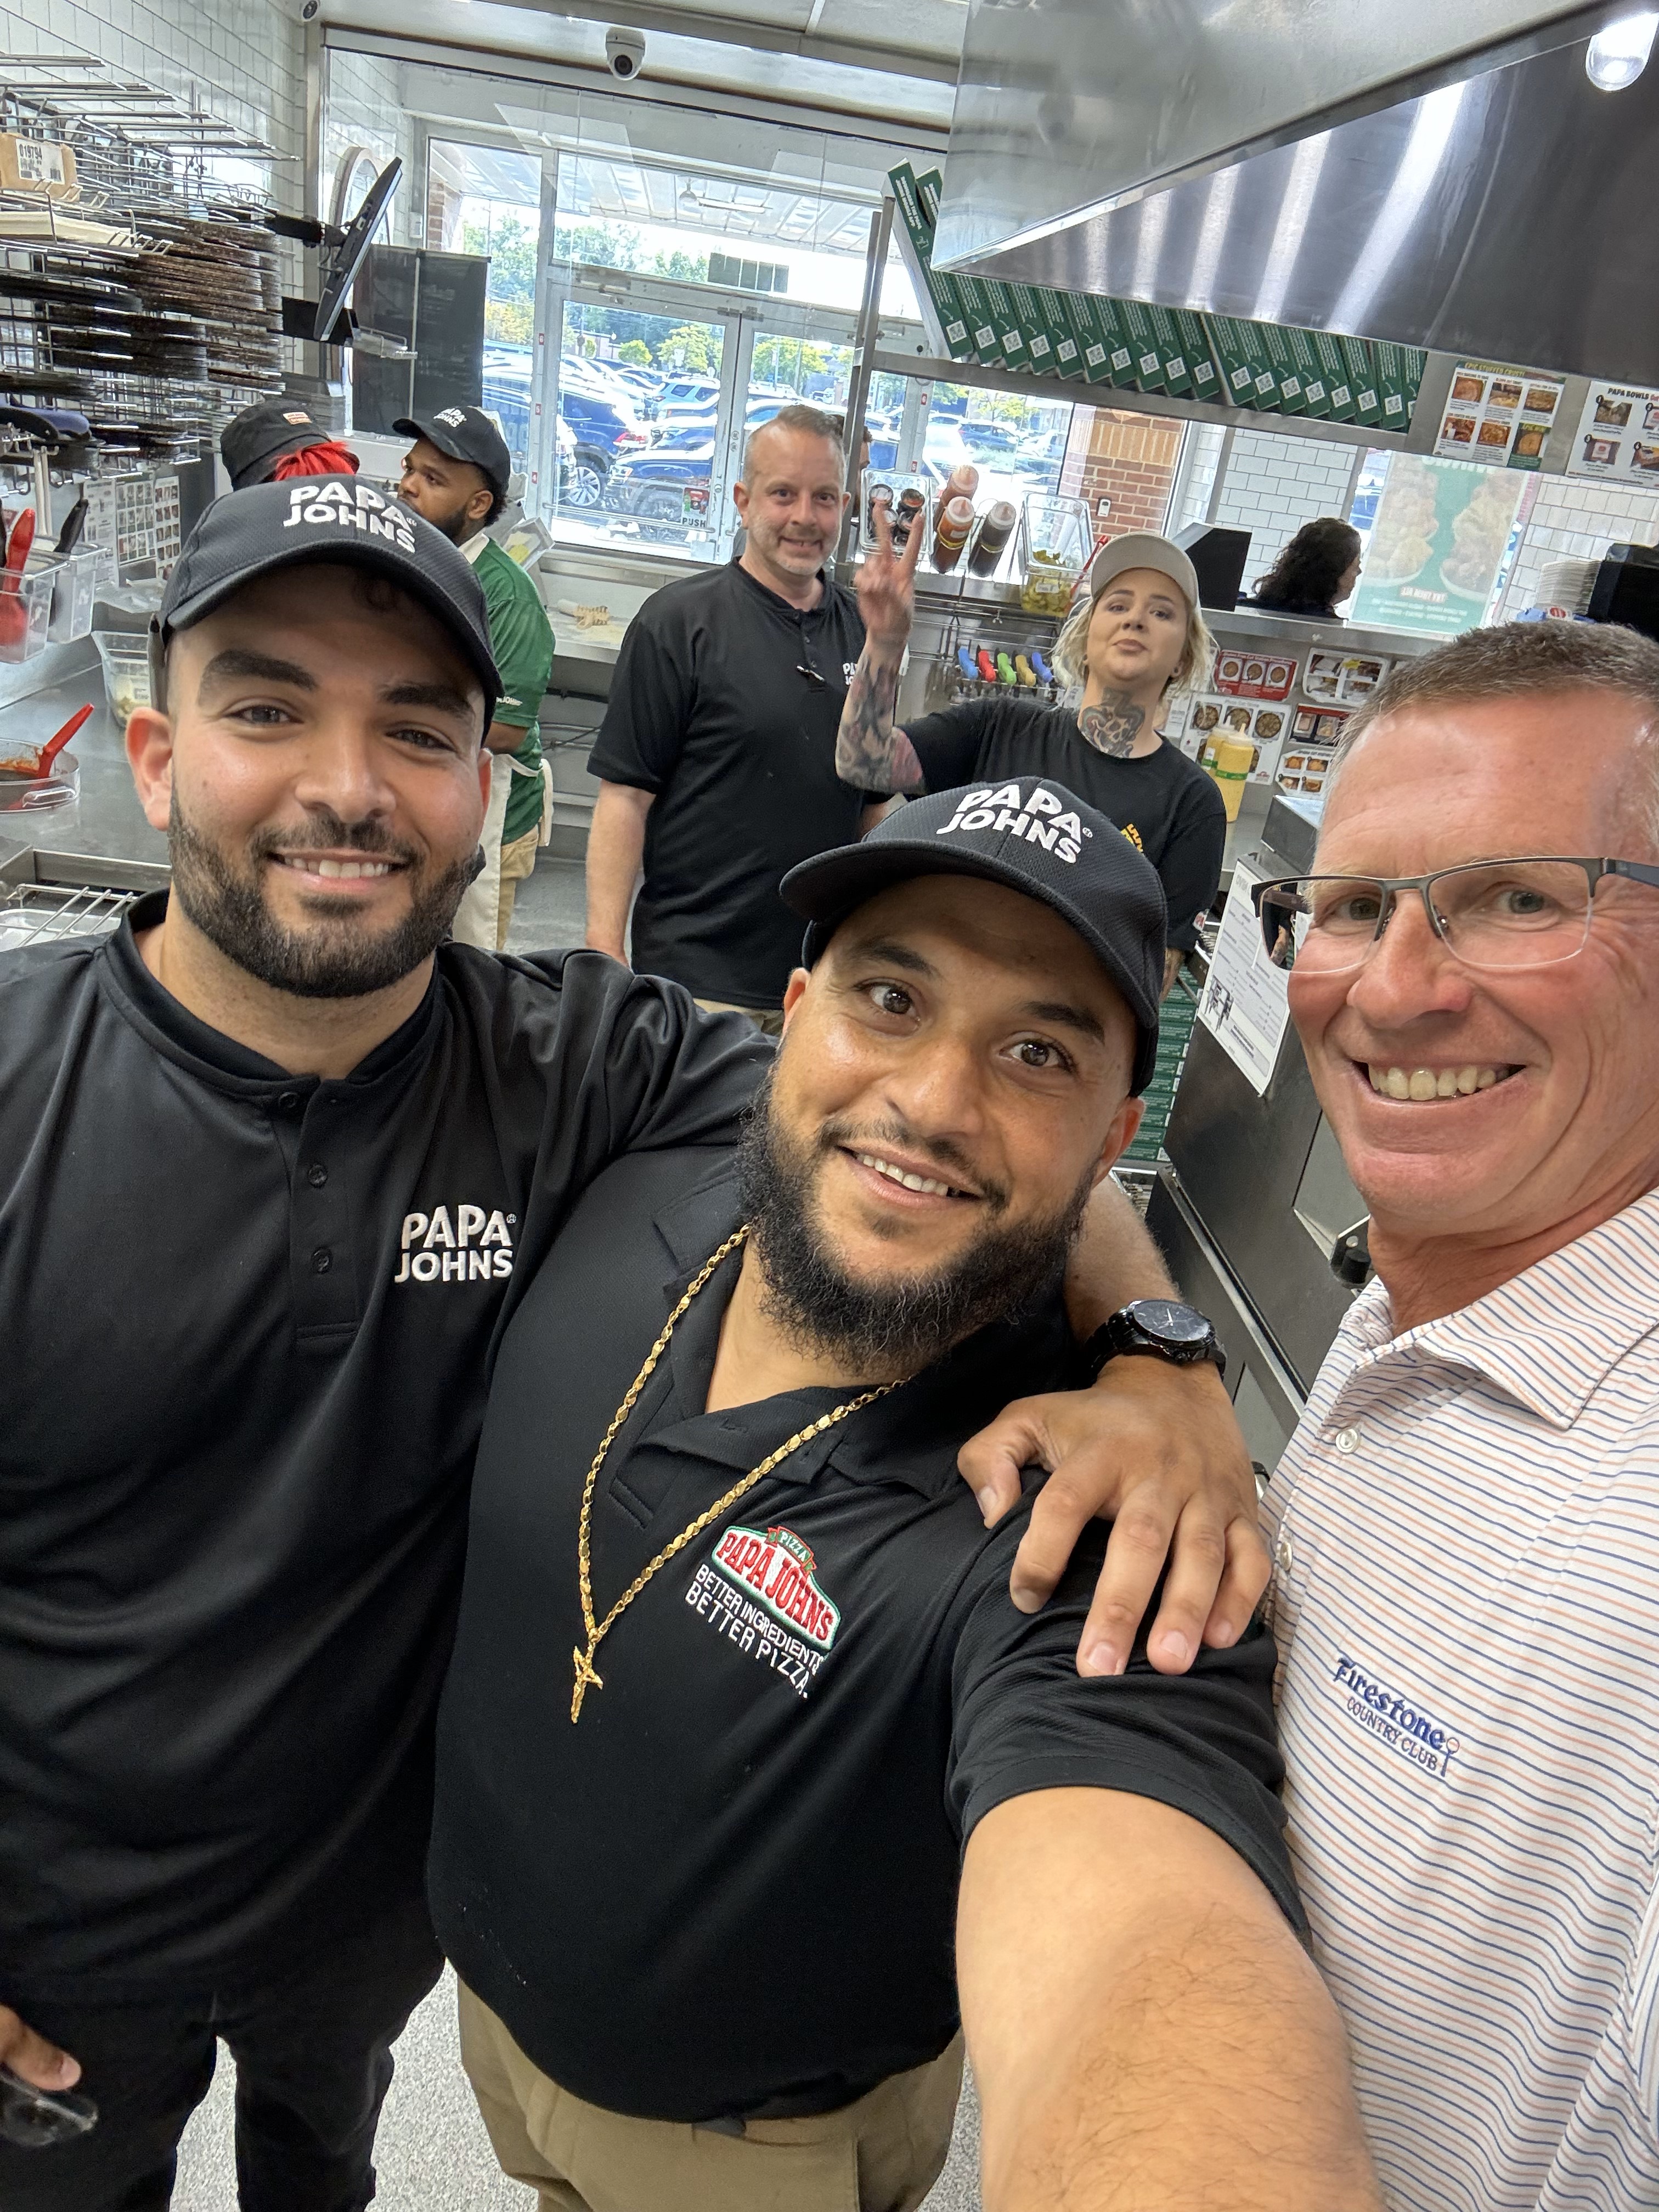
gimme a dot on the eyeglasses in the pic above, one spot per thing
(1524, 913)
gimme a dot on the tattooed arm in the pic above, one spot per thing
(870, 753)
(1111, 724)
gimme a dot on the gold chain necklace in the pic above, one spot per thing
(599, 1630)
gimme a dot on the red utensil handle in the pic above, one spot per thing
(55, 744)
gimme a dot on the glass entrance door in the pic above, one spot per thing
(640, 405)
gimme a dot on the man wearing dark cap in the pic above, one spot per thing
(737, 1681)
(276, 440)
(277, 1162)
(277, 1158)
(456, 475)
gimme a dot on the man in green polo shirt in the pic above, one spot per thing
(456, 475)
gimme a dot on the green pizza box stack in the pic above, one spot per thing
(939, 295)
(1132, 345)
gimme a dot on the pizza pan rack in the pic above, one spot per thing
(151, 300)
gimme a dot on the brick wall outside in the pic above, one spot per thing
(1127, 458)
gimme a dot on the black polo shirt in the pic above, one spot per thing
(246, 1318)
(732, 1886)
(710, 711)
(1164, 801)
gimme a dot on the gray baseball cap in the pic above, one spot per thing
(1143, 549)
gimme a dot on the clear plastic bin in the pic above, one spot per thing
(1055, 538)
(26, 614)
(125, 657)
(72, 601)
(50, 803)
(908, 497)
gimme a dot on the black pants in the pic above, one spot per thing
(312, 2045)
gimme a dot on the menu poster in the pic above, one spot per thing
(1617, 435)
(1246, 1004)
(1498, 415)
(1215, 715)
(1442, 529)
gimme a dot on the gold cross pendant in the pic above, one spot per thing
(585, 1675)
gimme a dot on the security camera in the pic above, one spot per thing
(308, 11)
(624, 51)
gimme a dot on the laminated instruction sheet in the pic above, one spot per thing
(1246, 1005)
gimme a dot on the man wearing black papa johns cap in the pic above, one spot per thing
(741, 1724)
(275, 1162)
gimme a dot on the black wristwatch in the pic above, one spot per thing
(1160, 1327)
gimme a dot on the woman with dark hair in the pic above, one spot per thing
(1316, 570)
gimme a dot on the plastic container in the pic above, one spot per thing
(1055, 542)
(125, 656)
(71, 602)
(906, 495)
(26, 614)
(54, 800)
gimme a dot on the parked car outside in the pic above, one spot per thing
(653, 486)
(996, 442)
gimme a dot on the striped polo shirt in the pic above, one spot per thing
(1466, 1529)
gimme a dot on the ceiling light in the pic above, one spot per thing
(1617, 57)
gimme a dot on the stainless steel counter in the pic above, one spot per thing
(109, 820)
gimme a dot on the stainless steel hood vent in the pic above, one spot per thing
(1510, 215)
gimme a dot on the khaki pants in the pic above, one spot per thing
(769, 1020)
(881, 2154)
(518, 861)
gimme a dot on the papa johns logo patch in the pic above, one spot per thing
(781, 1570)
(1041, 819)
(329, 504)
(759, 1588)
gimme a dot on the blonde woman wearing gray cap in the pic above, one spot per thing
(1137, 636)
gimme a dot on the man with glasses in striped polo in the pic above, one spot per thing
(1467, 1522)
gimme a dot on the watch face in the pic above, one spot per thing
(1174, 1324)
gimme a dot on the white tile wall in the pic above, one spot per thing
(366, 106)
(1274, 483)
(1196, 478)
(1580, 520)
(244, 58)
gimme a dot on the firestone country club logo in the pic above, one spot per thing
(329, 504)
(782, 1573)
(1393, 1718)
(476, 1247)
(1041, 819)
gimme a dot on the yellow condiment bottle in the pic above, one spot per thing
(1232, 766)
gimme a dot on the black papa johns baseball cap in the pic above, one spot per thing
(1037, 837)
(253, 441)
(248, 534)
(465, 433)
